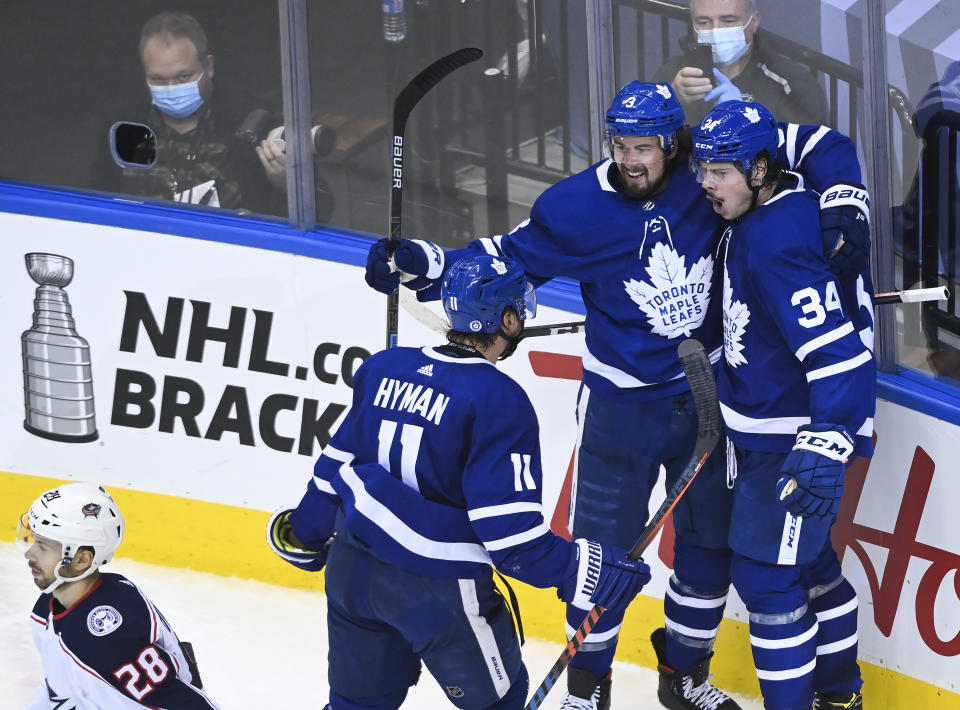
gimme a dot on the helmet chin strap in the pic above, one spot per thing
(512, 341)
(58, 580)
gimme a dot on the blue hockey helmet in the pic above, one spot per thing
(643, 109)
(477, 290)
(736, 132)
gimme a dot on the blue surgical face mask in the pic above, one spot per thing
(728, 43)
(178, 100)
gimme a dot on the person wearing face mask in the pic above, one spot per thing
(199, 161)
(744, 68)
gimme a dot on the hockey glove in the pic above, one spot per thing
(420, 262)
(811, 481)
(380, 276)
(601, 575)
(845, 226)
(277, 537)
(725, 90)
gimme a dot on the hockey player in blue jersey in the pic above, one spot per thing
(797, 395)
(636, 233)
(433, 478)
(103, 643)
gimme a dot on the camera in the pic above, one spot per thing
(256, 127)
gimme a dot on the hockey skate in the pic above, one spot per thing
(585, 691)
(836, 701)
(687, 692)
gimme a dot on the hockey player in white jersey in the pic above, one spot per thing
(637, 235)
(797, 395)
(432, 479)
(103, 643)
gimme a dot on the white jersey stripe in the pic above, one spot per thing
(791, 642)
(690, 631)
(489, 246)
(791, 140)
(324, 486)
(337, 454)
(837, 646)
(518, 539)
(837, 611)
(493, 511)
(385, 519)
(695, 602)
(485, 637)
(812, 142)
(769, 425)
(844, 366)
(789, 673)
(825, 339)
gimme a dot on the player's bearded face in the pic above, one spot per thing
(726, 187)
(642, 164)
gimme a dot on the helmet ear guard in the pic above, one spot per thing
(76, 515)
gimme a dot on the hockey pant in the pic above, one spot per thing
(803, 613)
(621, 448)
(382, 621)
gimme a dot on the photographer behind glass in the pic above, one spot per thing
(737, 65)
(199, 160)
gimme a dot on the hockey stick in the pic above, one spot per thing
(439, 325)
(696, 367)
(913, 295)
(405, 102)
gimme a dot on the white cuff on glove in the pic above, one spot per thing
(840, 194)
(832, 444)
(588, 572)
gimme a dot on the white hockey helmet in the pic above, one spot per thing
(75, 515)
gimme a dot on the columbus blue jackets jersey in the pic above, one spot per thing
(437, 468)
(797, 346)
(646, 268)
(111, 650)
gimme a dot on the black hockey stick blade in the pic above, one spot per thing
(696, 367)
(403, 105)
(419, 85)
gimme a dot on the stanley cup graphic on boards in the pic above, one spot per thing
(57, 378)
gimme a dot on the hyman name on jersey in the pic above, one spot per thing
(407, 397)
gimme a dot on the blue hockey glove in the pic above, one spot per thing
(420, 261)
(811, 481)
(725, 90)
(380, 276)
(277, 537)
(601, 575)
(845, 225)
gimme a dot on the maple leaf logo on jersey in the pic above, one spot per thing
(736, 316)
(675, 301)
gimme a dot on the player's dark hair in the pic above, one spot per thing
(175, 25)
(474, 340)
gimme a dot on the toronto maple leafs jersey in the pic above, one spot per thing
(111, 650)
(437, 468)
(797, 346)
(645, 267)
